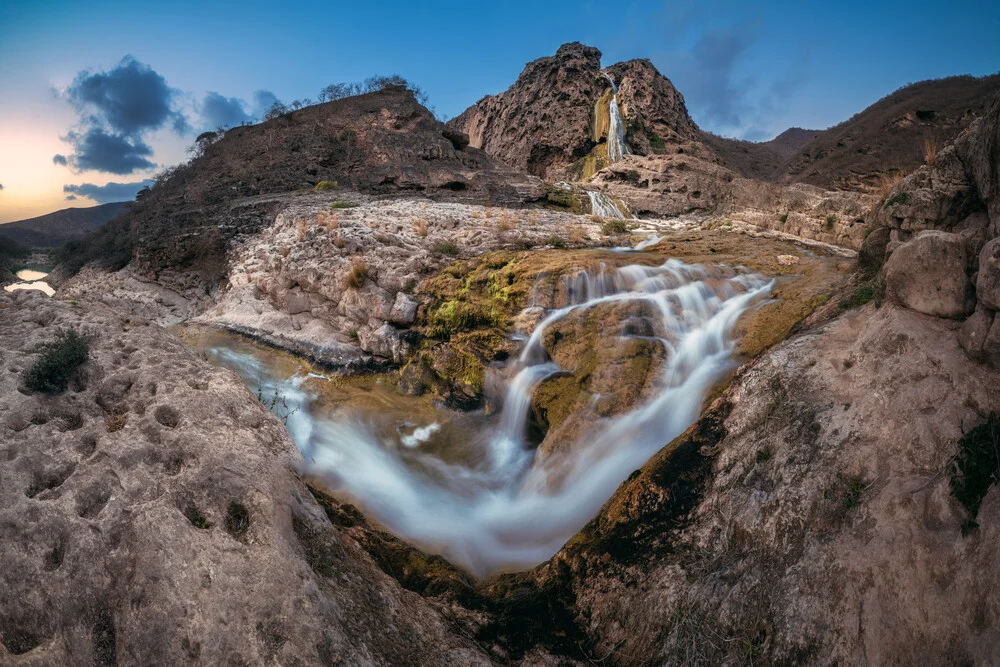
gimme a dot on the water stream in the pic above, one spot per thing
(469, 486)
(604, 206)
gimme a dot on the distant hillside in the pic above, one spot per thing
(889, 137)
(761, 160)
(54, 229)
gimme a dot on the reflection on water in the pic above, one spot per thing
(468, 485)
(31, 280)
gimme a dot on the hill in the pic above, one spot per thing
(53, 229)
(761, 160)
(380, 143)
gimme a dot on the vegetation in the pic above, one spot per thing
(197, 519)
(555, 241)
(58, 362)
(976, 467)
(323, 186)
(899, 198)
(873, 290)
(446, 248)
(343, 203)
(831, 220)
(612, 227)
(783, 218)
(357, 276)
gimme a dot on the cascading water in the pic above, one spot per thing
(617, 149)
(604, 206)
(489, 504)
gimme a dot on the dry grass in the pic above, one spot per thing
(886, 183)
(577, 235)
(357, 276)
(328, 220)
(301, 229)
(475, 213)
(420, 226)
(506, 221)
(930, 150)
(115, 420)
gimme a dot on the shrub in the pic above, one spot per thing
(784, 218)
(614, 227)
(831, 221)
(446, 248)
(975, 468)
(58, 363)
(873, 290)
(556, 241)
(655, 140)
(341, 203)
(930, 150)
(357, 276)
(323, 186)
(900, 198)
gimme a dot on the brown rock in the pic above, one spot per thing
(988, 282)
(974, 332)
(928, 275)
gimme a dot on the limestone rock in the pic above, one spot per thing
(928, 275)
(988, 282)
(975, 331)
(404, 309)
(385, 341)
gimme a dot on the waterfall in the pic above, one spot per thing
(481, 498)
(604, 206)
(617, 149)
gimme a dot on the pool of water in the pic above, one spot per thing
(31, 279)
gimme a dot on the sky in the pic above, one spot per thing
(97, 97)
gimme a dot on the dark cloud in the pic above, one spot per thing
(118, 109)
(711, 77)
(1, 186)
(130, 99)
(112, 153)
(109, 192)
(219, 111)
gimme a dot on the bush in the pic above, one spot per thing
(323, 186)
(341, 203)
(446, 248)
(555, 241)
(873, 290)
(900, 198)
(783, 219)
(357, 276)
(614, 227)
(60, 360)
(831, 220)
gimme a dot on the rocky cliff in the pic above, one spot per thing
(553, 121)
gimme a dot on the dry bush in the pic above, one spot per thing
(475, 213)
(930, 150)
(506, 221)
(576, 235)
(533, 220)
(886, 183)
(488, 213)
(301, 230)
(596, 219)
(357, 276)
(328, 220)
(339, 241)
(420, 226)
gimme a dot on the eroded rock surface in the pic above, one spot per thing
(152, 515)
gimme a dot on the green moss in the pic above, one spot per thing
(343, 203)
(323, 186)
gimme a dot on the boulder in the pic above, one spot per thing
(385, 341)
(404, 309)
(988, 282)
(974, 332)
(928, 275)
(873, 249)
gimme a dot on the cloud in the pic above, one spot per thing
(262, 101)
(219, 111)
(710, 73)
(112, 153)
(1, 186)
(109, 192)
(119, 108)
(130, 99)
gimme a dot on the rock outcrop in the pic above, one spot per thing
(958, 198)
(553, 121)
(151, 514)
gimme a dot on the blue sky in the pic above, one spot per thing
(745, 71)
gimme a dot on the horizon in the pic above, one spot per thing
(68, 140)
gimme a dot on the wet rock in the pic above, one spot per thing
(404, 309)
(928, 275)
(385, 341)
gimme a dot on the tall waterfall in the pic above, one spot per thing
(482, 499)
(617, 149)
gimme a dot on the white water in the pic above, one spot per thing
(617, 149)
(497, 508)
(604, 206)
(31, 280)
